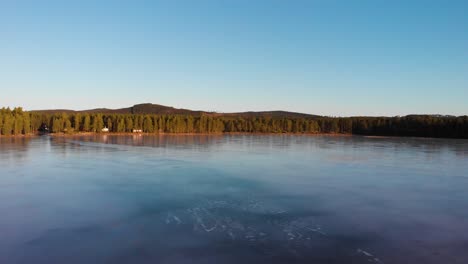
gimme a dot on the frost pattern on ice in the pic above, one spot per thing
(258, 224)
(370, 257)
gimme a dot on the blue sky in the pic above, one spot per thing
(337, 58)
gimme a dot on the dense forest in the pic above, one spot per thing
(17, 121)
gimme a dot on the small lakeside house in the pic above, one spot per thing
(43, 128)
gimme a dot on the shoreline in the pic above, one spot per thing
(20, 136)
(167, 134)
(83, 134)
(190, 134)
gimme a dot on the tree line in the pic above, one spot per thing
(17, 121)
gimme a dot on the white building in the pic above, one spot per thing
(105, 129)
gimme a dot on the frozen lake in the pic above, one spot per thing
(233, 199)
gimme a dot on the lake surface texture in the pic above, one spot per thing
(233, 199)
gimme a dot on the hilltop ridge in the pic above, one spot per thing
(149, 108)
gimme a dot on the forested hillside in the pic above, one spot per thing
(17, 121)
(156, 109)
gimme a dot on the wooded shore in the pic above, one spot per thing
(19, 122)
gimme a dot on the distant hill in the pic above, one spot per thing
(136, 109)
(276, 114)
(166, 110)
(162, 109)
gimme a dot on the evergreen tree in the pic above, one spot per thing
(77, 122)
(121, 125)
(68, 126)
(161, 124)
(57, 125)
(155, 124)
(87, 123)
(2, 116)
(129, 124)
(26, 123)
(7, 124)
(109, 123)
(148, 125)
(97, 123)
(17, 121)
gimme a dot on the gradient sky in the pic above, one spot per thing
(325, 57)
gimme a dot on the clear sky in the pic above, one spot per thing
(325, 57)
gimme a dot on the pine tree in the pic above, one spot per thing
(97, 123)
(2, 117)
(7, 125)
(57, 125)
(87, 123)
(77, 122)
(17, 121)
(161, 124)
(26, 123)
(148, 125)
(129, 124)
(121, 125)
(155, 124)
(109, 123)
(68, 126)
